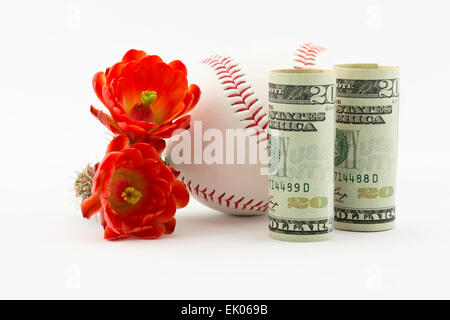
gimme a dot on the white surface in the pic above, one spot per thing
(51, 49)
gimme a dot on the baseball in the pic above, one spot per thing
(222, 158)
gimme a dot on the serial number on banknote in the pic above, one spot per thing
(288, 186)
(355, 177)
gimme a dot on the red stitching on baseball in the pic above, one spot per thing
(256, 205)
(257, 120)
(236, 203)
(246, 204)
(247, 95)
(196, 189)
(265, 207)
(203, 192)
(306, 55)
(226, 70)
(188, 185)
(227, 199)
(220, 198)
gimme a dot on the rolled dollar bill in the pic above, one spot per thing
(366, 146)
(301, 141)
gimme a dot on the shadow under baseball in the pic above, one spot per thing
(207, 222)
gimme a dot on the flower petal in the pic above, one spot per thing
(166, 131)
(194, 90)
(133, 132)
(179, 66)
(156, 142)
(147, 151)
(180, 193)
(110, 234)
(105, 119)
(150, 60)
(133, 55)
(104, 172)
(126, 93)
(170, 226)
(112, 219)
(117, 144)
(141, 112)
(128, 158)
(91, 206)
(168, 212)
(98, 82)
(121, 116)
(150, 232)
(170, 97)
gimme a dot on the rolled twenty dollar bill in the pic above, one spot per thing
(366, 146)
(301, 153)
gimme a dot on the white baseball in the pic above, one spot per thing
(235, 96)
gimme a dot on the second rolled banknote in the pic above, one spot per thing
(366, 146)
(301, 140)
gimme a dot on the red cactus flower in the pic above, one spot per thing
(145, 96)
(136, 194)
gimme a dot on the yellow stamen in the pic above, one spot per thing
(131, 195)
(147, 97)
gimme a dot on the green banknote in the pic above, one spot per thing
(366, 146)
(301, 148)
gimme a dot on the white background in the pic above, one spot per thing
(49, 53)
